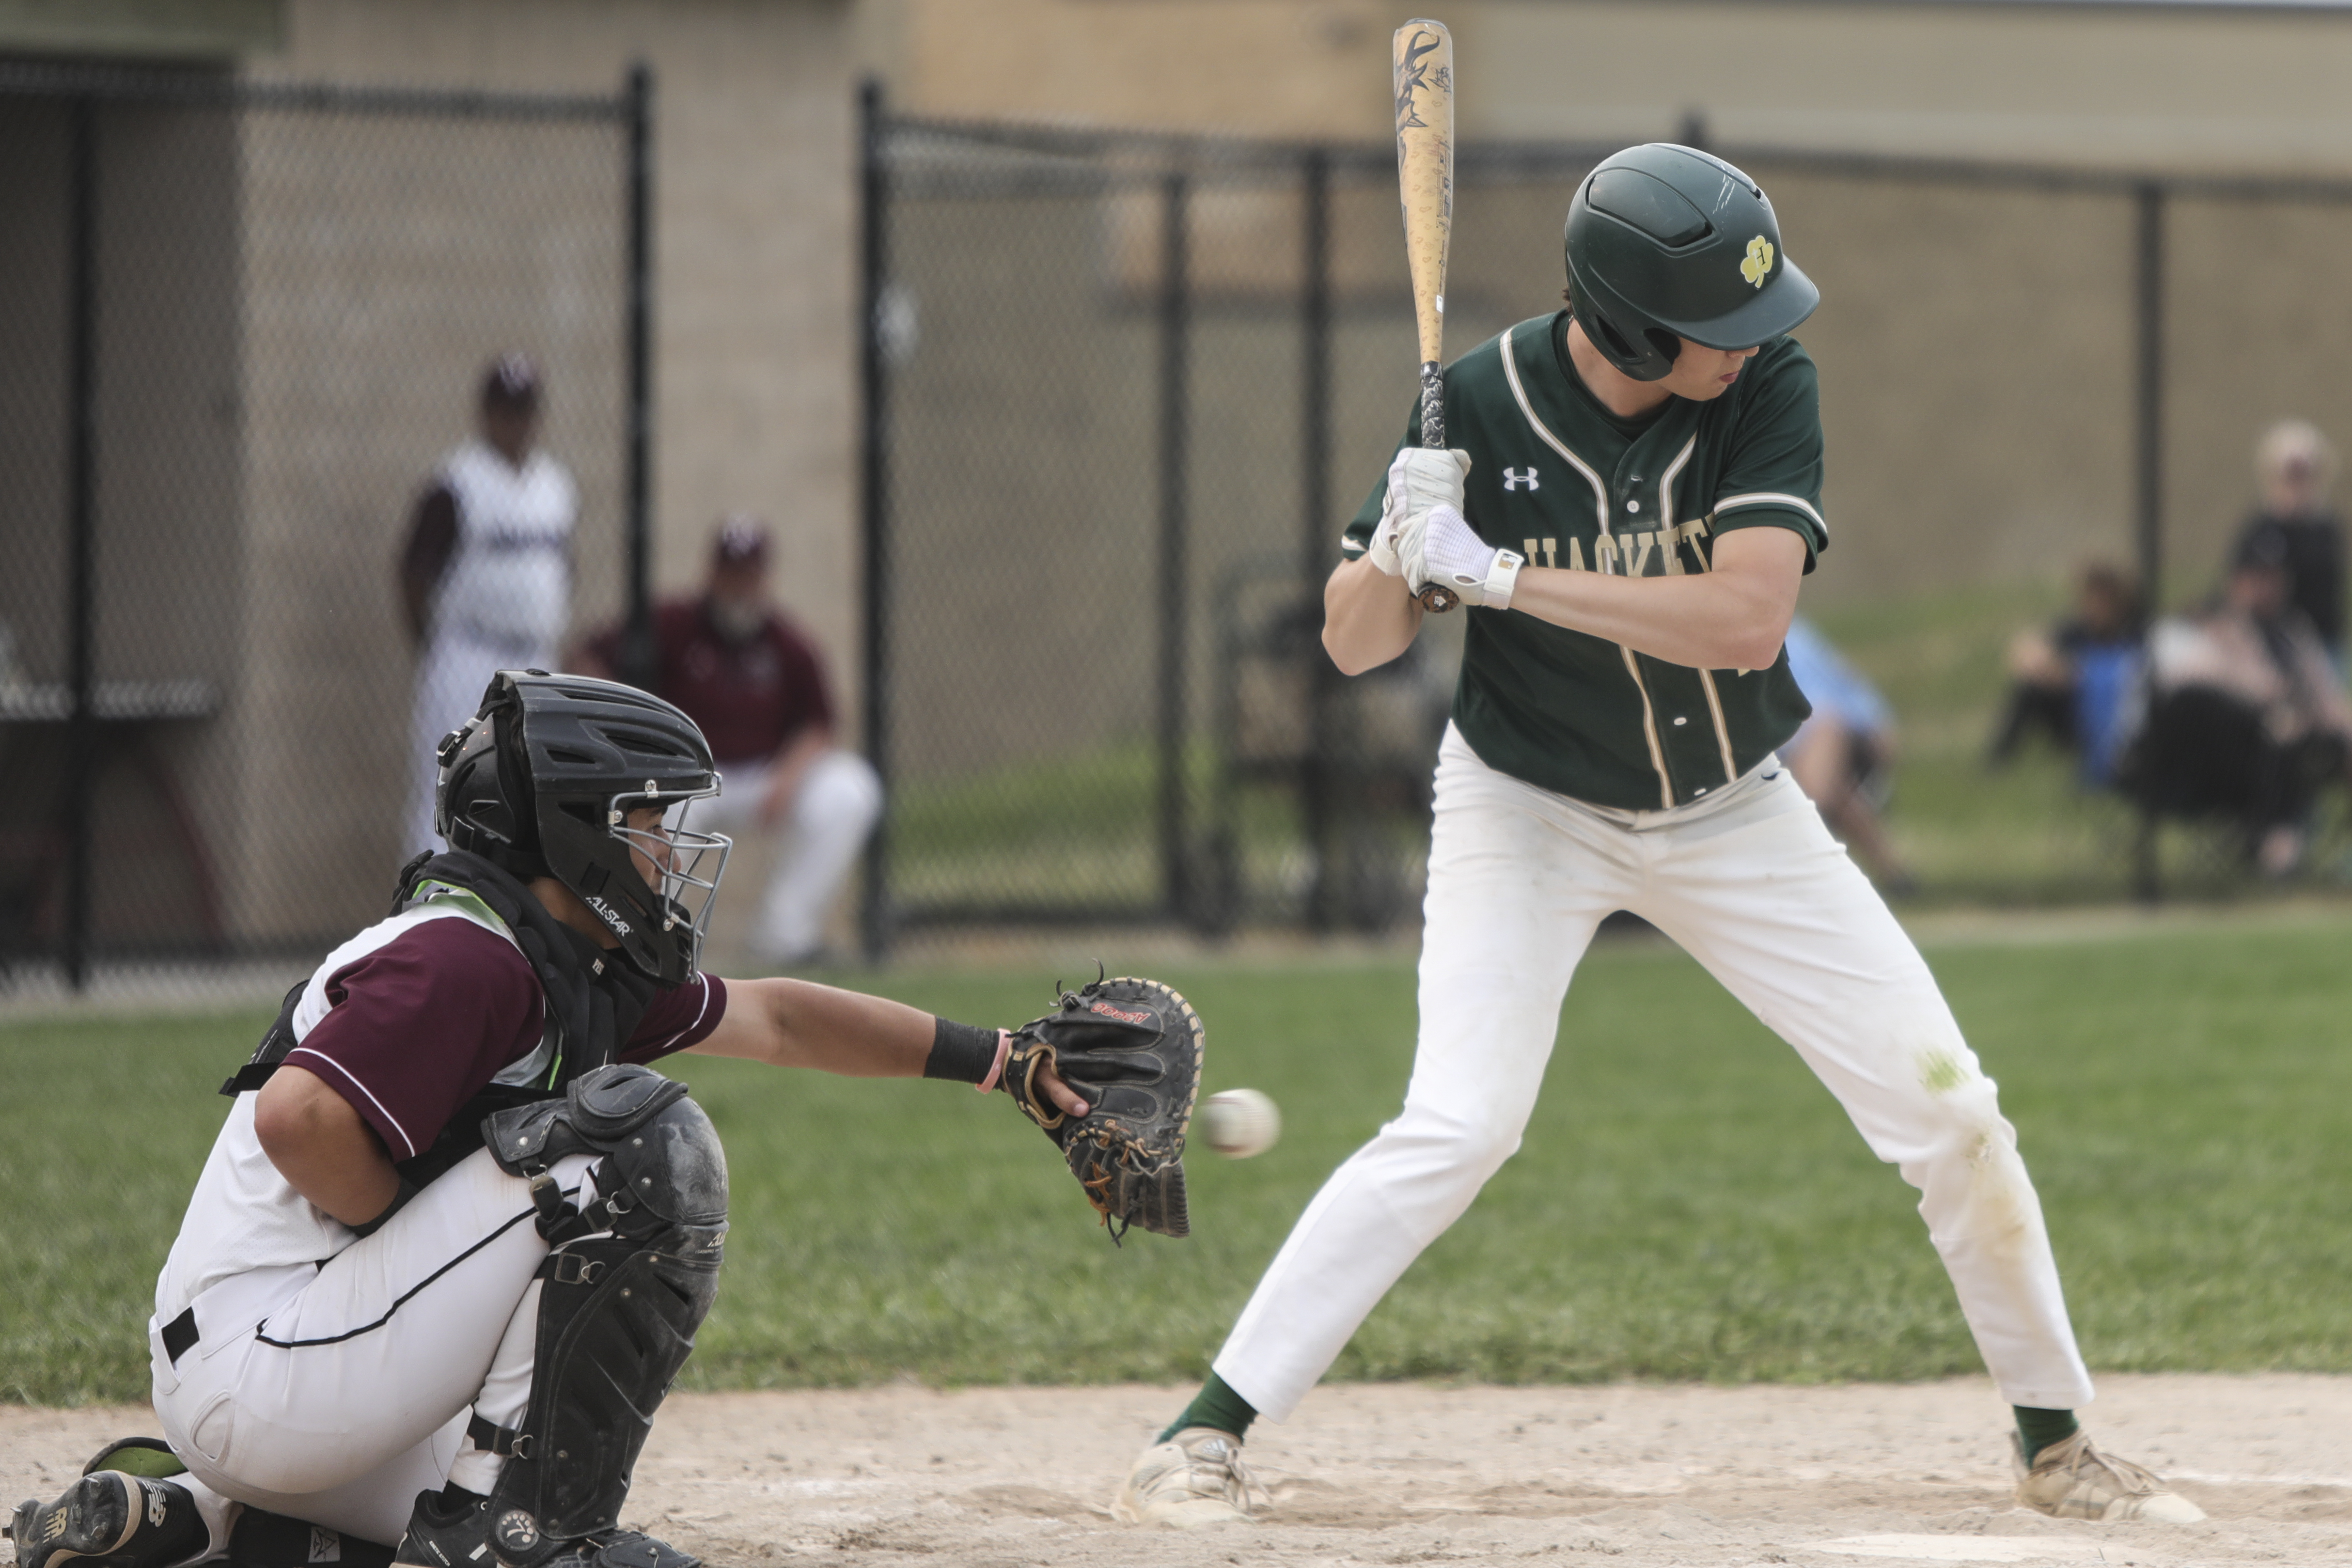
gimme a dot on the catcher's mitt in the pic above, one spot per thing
(1131, 1048)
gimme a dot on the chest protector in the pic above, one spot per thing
(592, 1002)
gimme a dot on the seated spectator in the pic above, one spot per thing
(2069, 682)
(2294, 466)
(752, 680)
(2244, 717)
(1843, 756)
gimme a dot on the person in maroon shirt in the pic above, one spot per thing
(454, 1238)
(753, 682)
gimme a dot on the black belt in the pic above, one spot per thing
(179, 1334)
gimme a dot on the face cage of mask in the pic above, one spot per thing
(690, 863)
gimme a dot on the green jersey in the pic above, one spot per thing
(1557, 477)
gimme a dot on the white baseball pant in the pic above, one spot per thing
(1752, 885)
(352, 1395)
(837, 805)
(453, 669)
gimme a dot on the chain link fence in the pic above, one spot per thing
(1120, 394)
(1124, 390)
(240, 323)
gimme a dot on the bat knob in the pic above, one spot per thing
(1437, 599)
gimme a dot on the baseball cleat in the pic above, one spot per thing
(455, 1529)
(2071, 1480)
(109, 1519)
(1195, 1477)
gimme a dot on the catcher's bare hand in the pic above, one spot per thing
(1060, 1093)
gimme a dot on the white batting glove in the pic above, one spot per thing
(1448, 552)
(1420, 478)
(1383, 551)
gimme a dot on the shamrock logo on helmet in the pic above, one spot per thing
(1757, 261)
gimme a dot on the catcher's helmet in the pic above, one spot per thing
(1665, 242)
(541, 781)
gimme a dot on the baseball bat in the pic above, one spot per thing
(1423, 56)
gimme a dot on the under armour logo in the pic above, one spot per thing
(1514, 478)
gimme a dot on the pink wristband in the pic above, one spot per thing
(1003, 1049)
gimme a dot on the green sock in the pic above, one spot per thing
(2037, 1429)
(1217, 1407)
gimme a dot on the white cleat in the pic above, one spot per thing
(1195, 1477)
(2073, 1480)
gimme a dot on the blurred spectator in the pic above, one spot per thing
(753, 682)
(2069, 682)
(2244, 717)
(2294, 466)
(1843, 756)
(486, 577)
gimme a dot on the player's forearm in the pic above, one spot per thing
(322, 1148)
(799, 1024)
(1733, 618)
(1368, 617)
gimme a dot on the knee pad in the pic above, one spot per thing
(631, 1277)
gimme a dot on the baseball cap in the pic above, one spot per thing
(743, 539)
(511, 379)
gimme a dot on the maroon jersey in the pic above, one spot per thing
(749, 697)
(420, 1025)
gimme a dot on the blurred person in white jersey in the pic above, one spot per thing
(486, 575)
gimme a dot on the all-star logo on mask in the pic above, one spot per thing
(1757, 261)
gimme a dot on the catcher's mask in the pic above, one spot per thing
(544, 780)
(1666, 242)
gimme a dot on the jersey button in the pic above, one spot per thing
(1680, 720)
(1632, 506)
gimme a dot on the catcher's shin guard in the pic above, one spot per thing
(109, 1519)
(631, 1278)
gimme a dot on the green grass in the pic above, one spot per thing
(1689, 1205)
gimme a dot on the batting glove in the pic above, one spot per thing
(1448, 551)
(1419, 479)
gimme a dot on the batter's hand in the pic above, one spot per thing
(1420, 478)
(1451, 553)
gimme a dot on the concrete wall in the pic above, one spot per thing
(369, 324)
(1976, 343)
(166, 505)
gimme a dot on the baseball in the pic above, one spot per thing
(1240, 1123)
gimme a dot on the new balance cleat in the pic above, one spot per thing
(1195, 1477)
(2071, 1480)
(109, 1520)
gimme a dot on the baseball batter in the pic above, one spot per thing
(454, 1240)
(1635, 500)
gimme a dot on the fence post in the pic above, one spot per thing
(874, 504)
(638, 657)
(1315, 794)
(1175, 328)
(82, 525)
(2148, 464)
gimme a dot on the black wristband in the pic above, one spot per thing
(964, 1052)
(406, 1190)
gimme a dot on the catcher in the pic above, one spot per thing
(454, 1241)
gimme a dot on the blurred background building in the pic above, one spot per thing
(299, 273)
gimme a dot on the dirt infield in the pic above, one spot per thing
(1410, 1473)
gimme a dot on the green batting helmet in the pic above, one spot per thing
(1666, 242)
